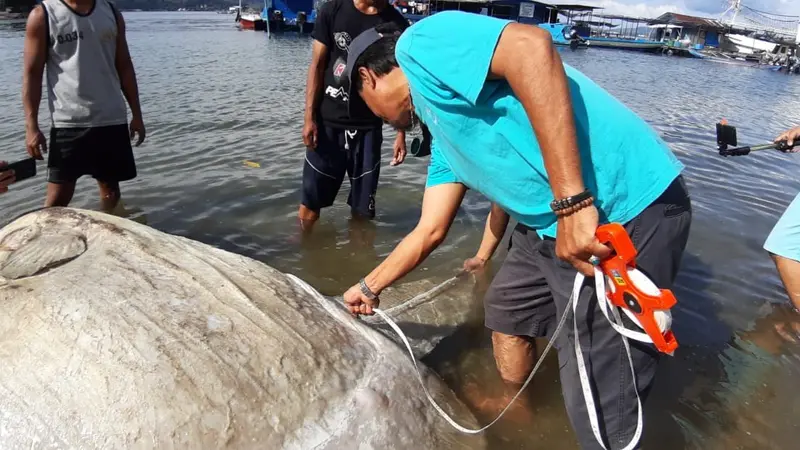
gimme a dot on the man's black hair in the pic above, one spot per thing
(378, 57)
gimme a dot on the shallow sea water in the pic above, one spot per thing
(214, 97)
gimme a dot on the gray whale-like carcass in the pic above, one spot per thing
(115, 335)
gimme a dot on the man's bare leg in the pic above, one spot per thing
(308, 217)
(789, 271)
(515, 357)
(109, 195)
(59, 194)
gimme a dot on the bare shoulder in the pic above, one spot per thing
(36, 19)
(117, 13)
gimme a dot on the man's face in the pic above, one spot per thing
(389, 98)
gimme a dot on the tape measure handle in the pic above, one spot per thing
(615, 236)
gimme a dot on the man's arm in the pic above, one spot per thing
(541, 85)
(439, 206)
(34, 57)
(526, 57)
(496, 224)
(127, 78)
(319, 59)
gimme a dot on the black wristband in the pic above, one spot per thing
(568, 202)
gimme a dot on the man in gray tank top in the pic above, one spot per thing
(81, 46)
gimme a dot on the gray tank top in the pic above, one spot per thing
(83, 86)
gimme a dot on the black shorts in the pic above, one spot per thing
(532, 288)
(105, 153)
(354, 152)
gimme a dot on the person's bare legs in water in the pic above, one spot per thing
(515, 355)
(61, 194)
(307, 218)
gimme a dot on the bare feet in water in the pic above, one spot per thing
(488, 405)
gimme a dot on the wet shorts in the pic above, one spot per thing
(354, 152)
(532, 288)
(105, 153)
(784, 240)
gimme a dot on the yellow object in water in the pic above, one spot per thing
(252, 164)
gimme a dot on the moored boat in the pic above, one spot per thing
(561, 34)
(625, 44)
(291, 15)
(250, 20)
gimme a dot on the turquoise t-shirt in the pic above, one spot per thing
(482, 136)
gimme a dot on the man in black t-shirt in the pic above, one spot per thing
(342, 138)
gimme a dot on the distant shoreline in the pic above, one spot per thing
(12, 16)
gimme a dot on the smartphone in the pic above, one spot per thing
(23, 169)
(726, 136)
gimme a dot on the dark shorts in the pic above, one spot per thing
(532, 289)
(354, 152)
(105, 153)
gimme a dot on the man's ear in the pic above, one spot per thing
(367, 78)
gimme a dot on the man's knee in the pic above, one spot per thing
(514, 356)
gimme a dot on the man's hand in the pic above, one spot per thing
(137, 128)
(439, 207)
(474, 264)
(358, 303)
(576, 241)
(791, 137)
(310, 133)
(399, 149)
(35, 142)
(6, 177)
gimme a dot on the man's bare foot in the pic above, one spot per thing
(488, 405)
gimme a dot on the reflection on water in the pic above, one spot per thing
(215, 97)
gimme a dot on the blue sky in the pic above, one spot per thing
(706, 8)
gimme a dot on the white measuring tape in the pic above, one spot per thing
(639, 279)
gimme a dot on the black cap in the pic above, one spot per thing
(354, 50)
(419, 147)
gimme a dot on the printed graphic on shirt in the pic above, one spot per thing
(338, 68)
(342, 40)
(336, 93)
(69, 37)
(338, 23)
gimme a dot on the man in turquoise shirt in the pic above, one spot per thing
(560, 155)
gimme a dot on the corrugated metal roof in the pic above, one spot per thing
(685, 20)
(574, 7)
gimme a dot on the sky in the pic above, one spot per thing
(703, 8)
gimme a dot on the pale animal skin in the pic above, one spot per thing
(115, 335)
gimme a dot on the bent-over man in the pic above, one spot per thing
(557, 153)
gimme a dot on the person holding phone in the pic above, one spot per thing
(82, 48)
(6, 177)
(783, 242)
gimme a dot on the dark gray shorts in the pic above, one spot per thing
(532, 289)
